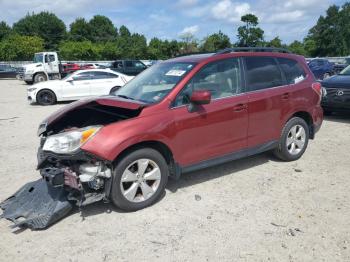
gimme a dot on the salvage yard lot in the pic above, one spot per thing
(255, 209)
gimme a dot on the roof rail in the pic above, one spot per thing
(252, 49)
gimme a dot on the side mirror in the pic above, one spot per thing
(70, 79)
(199, 98)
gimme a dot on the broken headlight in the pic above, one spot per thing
(68, 142)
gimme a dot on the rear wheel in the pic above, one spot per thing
(294, 140)
(40, 77)
(139, 179)
(46, 97)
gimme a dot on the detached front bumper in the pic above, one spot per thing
(36, 205)
(67, 180)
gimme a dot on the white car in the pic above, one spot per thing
(80, 84)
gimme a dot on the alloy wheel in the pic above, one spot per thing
(140, 180)
(296, 139)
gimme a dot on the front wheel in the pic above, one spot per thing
(294, 140)
(139, 179)
(40, 77)
(46, 97)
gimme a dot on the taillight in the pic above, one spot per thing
(317, 87)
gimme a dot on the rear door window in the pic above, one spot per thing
(262, 73)
(102, 75)
(292, 70)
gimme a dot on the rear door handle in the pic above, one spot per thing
(240, 107)
(285, 96)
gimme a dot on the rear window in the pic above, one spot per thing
(293, 72)
(262, 73)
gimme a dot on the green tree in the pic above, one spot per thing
(138, 48)
(331, 34)
(45, 25)
(79, 30)
(276, 42)
(250, 35)
(298, 48)
(84, 50)
(310, 47)
(215, 42)
(5, 30)
(102, 29)
(17, 47)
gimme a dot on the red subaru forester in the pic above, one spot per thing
(180, 115)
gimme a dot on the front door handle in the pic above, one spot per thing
(285, 96)
(240, 107)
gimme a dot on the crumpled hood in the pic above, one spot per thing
(93, 104)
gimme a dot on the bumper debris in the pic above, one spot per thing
(36, 205)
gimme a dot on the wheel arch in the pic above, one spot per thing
(45, 89)
(308, 119)
(40, 72)
(161, 147)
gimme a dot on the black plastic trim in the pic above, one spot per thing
(230, 157)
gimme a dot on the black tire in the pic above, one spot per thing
(114, 89)
(327, 112)
(282, 151)
(46, 97)
(40, 77)
(117, 196)
(29, 82)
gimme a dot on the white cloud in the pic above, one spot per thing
(230, 11)
(190, 30)
(284, 17)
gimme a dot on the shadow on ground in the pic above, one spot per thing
(338, 117)
(187, 180)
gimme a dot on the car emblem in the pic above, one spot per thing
(340, 92)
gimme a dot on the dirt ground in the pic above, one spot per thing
(255, 209)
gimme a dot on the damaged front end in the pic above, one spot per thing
(70, 176)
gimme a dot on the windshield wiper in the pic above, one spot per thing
(126, 97)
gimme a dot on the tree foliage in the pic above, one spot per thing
(17, 47)
(98, 38)
(215, 42)
(331, 34)
(45, 25)
(5, 30)
(250, 35)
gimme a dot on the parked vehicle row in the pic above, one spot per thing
(78, 85)
(7, 71)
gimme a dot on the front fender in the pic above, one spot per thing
(113, 139)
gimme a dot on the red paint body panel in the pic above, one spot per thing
(221, 127)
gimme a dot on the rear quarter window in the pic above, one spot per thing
(292, 70)
(262, 73)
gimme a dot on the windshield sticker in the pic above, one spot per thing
(175, 72)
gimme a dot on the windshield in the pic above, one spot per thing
(345, 71)
(38, 58)
(155, 83)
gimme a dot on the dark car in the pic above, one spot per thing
(180, 115)
(7, 71)
(128, 67)
(336, 94)
(321, 68)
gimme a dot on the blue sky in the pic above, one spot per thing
(288, 19)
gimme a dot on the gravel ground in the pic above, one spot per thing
(255, 209)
